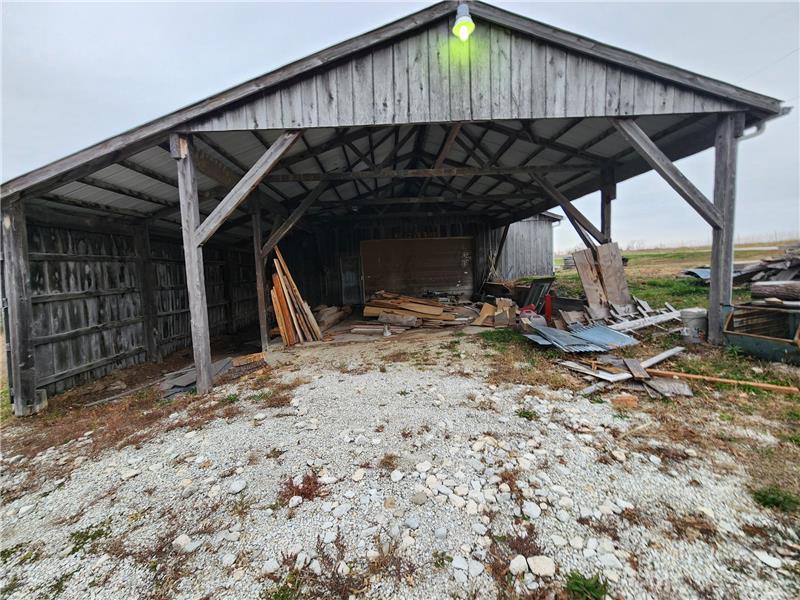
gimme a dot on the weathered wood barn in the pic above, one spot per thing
(156, 238)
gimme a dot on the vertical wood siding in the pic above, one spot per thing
(432, 76)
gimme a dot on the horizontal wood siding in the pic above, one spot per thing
(87, 311)
(88, 315)
(432, 76)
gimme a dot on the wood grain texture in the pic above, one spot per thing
(22, 364)
(193, 258)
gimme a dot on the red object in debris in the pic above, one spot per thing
(548, 308)
(527, 311)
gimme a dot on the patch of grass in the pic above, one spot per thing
(403, 392)
(793, 439)
(58, 585)
(242, 506)
(388, 462)
(275, 453)
(231, 398)
(7, 553)
(775, 497)
(528, 415)
(84, 537)
(580, 587)
(441, 559)
(501, 339)
(14, 584)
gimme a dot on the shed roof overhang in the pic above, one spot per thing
(374, 171)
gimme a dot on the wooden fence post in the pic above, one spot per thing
(21, 370)
(721, 290)
(180, 148)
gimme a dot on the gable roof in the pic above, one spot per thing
(116, 148)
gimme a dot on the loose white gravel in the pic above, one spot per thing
(203, 499)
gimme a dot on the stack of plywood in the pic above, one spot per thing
(296, 322)
(410, 311)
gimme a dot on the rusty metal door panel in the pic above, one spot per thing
(415, 266)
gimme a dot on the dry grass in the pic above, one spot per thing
(310, 487)
(278, 394)
(389, 462)
(692, 527)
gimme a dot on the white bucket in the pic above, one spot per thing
(695, 325)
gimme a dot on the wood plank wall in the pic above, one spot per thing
(344, 240)
(88, 306)
(432, 76)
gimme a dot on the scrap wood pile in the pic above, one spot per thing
(608, 299)
(296, 322)
(633, 374)
(777, 268)
(328, 316)
(781, 268)
(397, 313)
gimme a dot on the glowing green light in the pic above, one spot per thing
(464, 25)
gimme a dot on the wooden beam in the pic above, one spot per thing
(573, 214)
(721, 288)
(261, 283)
(16, 267)
(277, 235)
(216, 170)
(422, 173)
(653, 155)
(244, 186)
(607, 193)
(193, 257)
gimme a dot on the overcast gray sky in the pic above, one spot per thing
(75, 73)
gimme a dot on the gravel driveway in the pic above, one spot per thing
(393, 477)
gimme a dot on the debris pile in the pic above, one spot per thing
(781, 268)
(296, 322)
(397, 312)
(608, 300)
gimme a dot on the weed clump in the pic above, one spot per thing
(309, 487)
(84, 537)
(580, 587)
(774, 497)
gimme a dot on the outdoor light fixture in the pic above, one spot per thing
(464, 25)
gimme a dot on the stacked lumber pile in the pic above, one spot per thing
(296, 322)
(409, 311)
(781, 268)
(328, 316)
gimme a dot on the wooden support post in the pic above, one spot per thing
(261, 284)
(721, 290)
(147, 284)
(180, 148)
(607, 193)
(16, 269)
